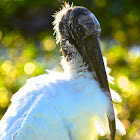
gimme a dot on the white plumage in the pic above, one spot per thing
(59, 106)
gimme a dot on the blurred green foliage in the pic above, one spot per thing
(27, 48)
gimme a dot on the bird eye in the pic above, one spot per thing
(80, 30)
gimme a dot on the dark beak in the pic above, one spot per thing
(92, 55)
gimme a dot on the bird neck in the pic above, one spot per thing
(72, 62)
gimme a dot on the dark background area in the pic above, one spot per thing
(27, 48)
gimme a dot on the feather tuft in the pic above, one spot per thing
(58, 15)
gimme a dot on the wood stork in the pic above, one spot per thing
(74, 105)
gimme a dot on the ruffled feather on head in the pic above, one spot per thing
(58, 17)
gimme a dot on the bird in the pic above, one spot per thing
(77, 104)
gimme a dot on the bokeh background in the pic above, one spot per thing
(27, 49)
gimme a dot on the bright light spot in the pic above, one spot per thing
(49, 44)
(11, 76)
(111, 58)
(119, 108)
(6, 66)
(13, 72)
(134, 52)
(127, 86)
(123, 82)
(3, 97)
(29, 68)
(0, 35)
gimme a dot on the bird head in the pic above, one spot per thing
(81, 28)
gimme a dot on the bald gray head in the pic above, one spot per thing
(78, 23)
(75, 24)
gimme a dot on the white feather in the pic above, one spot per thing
(50, 107)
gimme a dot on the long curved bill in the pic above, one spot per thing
(92, 55)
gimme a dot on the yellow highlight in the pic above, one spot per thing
(49, 44)
(7, 41)
(29, 68)
(120, 36)
(127, 86)
(11, 76)
(3, 97)
(6, 66)
(131, 18)
(18, 40)
(134, 101)
(119, 108)
(123, 82)
(100, 3)
(13, 72)
(0, 35)
(126, 123)
(133, 33)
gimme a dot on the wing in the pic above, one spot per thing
(32, 116)
(42, 122)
